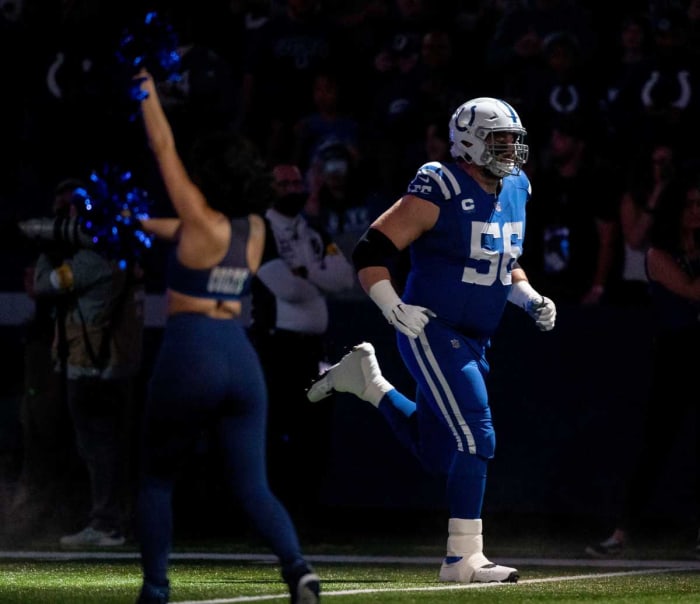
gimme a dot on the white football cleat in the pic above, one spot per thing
(357, 373)
(460, 571)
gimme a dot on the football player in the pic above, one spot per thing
(463, 223)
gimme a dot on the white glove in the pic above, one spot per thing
(410, 320)
(539, 307)
(543, 312)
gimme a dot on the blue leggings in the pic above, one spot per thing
(207, 376)
(449, 426)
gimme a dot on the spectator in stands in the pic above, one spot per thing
(69, 99)
(518, 40)
(301, 266)
(622, 65)
(338, 195)
(572, 227)
(206, 94)
(394, 121)
(562, 85)
(673, 269)
(441, 86)
(645, 187)
(664, 95)
(282, 58)
(329, 123)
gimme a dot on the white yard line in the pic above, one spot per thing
(641, 567)
(452, 586)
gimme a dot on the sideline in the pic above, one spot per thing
(350, 559)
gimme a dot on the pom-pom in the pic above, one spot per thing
(110, 209)
(151, 44)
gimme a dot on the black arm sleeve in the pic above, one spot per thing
(374, 249)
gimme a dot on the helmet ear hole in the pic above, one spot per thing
(460, 150)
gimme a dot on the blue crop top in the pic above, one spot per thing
(228, 280)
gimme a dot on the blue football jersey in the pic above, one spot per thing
(461, 268)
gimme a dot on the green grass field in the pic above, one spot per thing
(366, 556)
(373, 557)
(33, 581)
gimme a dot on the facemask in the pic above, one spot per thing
(291, 203)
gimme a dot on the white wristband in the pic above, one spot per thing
(522, 293)
(384, 295)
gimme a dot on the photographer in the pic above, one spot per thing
(98, 347)
(46, 430)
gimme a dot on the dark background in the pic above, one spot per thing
(566, 404)
(566, 407)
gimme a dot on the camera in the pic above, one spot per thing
(69, 230)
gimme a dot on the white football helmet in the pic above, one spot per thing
(470, 127)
